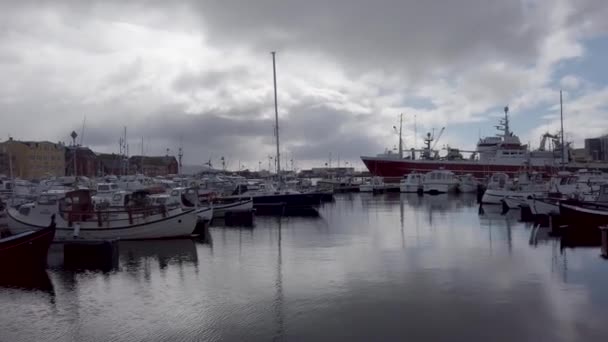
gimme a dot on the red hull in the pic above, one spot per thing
(26, 250)
(398, 168)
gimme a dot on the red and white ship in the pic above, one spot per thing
(501, 153)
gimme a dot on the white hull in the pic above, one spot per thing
(205, 214)
(439, 187)
(514, 202)
(540, 207)
(177, 223)
(366, 188)
(492, 196)
(220, 210)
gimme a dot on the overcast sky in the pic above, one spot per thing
(200, 73)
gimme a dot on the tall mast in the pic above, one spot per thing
(415, 132)
(276, 113)
(561, 115)
(507, 131)
(141, 159)
(400, 137)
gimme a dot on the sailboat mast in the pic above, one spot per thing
(561, 116)
(400, 136)
(276, 112)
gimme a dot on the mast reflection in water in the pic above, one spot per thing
(384, 267)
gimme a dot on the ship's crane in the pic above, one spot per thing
(438, 137)
(543, 141)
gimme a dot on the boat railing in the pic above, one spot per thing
(104, 216)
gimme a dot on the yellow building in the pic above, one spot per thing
(34, 159)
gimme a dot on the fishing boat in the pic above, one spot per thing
(586, 214)
(77, 218)
(28, 248)
(494, 190)
(467, 183)
(412, 183)
(375, 185)
(503, 153)
(526, 186)
(583, 214)
(439, 182)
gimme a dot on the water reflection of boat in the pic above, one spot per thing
(441, 202)
(165, 251)
(494, 213)
(36, 279)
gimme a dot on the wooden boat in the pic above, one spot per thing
(77, 218)
(583, 214)
(27, 249)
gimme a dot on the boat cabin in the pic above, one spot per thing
(498, 181)
(413, 178)
(439, 175)
(106, 188)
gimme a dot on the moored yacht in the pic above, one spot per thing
(440, 181)
(467, 183)
(412, 183)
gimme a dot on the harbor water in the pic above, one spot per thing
(371, 267)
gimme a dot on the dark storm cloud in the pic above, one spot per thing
(391, 34)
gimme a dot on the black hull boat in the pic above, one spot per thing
(284, 203)
(26, 250)
(583, 214)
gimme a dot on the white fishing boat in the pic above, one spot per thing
(412, 183)
(516, 193)
(77, 218)
(495, 189)
(221, 208)
(439, 182)
(375, 184)
(467, 183)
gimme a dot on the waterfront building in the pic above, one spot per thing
(32, 159)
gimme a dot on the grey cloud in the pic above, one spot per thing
(219, 108)
(391, 34)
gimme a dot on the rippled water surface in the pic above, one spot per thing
(381, 267)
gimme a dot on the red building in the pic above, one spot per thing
(111, 164)
(82, 159)
(154, 166)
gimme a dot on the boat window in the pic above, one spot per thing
(47, 200)
(9, 186)
(103, 188)
(114, 187)
(24, 211)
